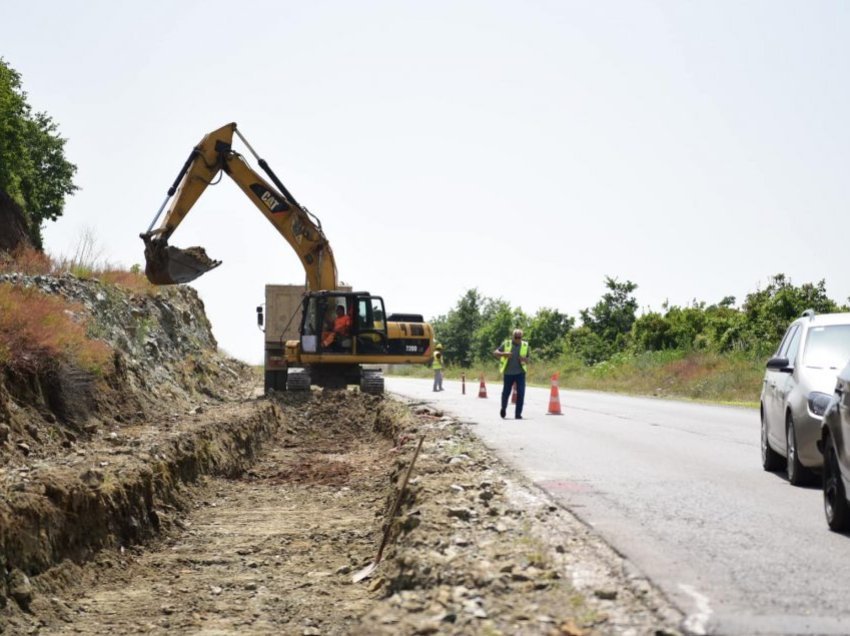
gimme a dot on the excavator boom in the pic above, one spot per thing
(167, 265)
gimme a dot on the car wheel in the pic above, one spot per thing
(835, 504)
(770, 459)
(798, 475)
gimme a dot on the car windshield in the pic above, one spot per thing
(827, 347)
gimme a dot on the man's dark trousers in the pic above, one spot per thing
(519, 378)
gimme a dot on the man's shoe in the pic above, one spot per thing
(502, 413)
(518, 417)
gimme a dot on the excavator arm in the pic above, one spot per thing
(168, 265)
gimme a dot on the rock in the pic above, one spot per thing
(20, 588)
(605, 594)
(93, 477)
(464, 514)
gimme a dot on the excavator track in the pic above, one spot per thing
(298, 380)
(372, 382)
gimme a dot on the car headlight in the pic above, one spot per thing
(818, 402)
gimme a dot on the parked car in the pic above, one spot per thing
(835, 446)
(798, 386)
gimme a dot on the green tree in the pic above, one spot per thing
(652, 332)
(456, 330)
(547, 332)
(33, 168)
(769, 311)
(587, 346)
(724, 327)
(498, 319)
(612, 317)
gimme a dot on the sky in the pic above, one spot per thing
(528, 149)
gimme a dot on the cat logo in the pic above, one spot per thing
(269, 198)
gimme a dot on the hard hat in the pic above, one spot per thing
(438, 346)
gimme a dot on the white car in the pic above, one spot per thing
(798, 386)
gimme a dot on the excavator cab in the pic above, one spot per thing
(343, 323)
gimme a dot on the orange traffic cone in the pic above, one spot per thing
(513, 395)
(482, 390)
(554, 399)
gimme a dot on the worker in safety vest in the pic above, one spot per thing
(513, 357)
(437, 365)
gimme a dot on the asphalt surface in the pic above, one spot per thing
(678, 489)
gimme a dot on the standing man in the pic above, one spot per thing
(437, 365)
(513, 364)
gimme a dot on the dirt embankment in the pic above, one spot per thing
(168, 497)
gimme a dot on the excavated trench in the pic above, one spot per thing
(252, 518)
(143, 486)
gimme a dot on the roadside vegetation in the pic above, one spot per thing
(38, 329)
(714, 352)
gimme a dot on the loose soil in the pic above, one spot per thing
(276, 503)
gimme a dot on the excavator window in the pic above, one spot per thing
(333, 322)
(371, 328)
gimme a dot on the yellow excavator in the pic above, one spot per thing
(340, 330)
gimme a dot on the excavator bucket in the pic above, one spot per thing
(169, 265)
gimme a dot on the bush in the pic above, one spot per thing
(36, 328)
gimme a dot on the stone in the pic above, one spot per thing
(20, 588)
(464, 514)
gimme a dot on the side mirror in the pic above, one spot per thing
(779, 364)
(260, 316)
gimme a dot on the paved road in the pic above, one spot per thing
(679, 490)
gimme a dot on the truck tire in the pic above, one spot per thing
(274, 381)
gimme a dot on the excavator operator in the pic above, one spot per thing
(341, 328)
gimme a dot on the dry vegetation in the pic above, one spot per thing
(36, 328)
